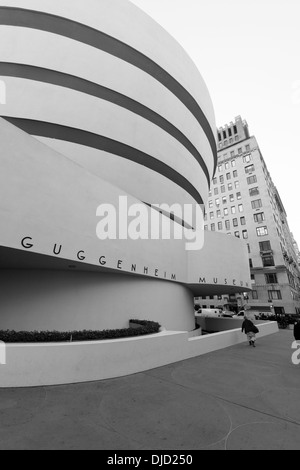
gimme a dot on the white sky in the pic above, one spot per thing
(248, 53)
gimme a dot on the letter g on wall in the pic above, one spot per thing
(25, 243)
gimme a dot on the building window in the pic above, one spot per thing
(227, 224)
(229, 186)
(235, 129)
(232, 155)
(224, 135)
(228, 176)
(215, 181)
(262, 231)
(235, 222)
(248, 246)
(236, 138)
(210, 203)
(252, 179)
(274, 295)
(225, 143)
(218, 214)
(231, 197)
(243, 220)
(254, 191)
(236, 184)
(205, 227)
(241, 208)
(226, 165)
(238, 196)
(224, 200)
(237, 234)
(233, 209)
(265, 246)
(225, 211)
(209, 194)
(221, 179)
(257, 204)
(245, 234)
(240, 150)
(217, 202)
(249, 168)
(216, 191)
(254, 295)
(219, 168)
(223, 189)
(247, 158)
(271, 278)
(211, 215)
(213, 227)
(235, 173)
(220, 225)
(250, 263)
(268, 260)
(259, 217)
(291, 280)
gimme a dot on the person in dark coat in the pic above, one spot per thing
(297, 330)
(250, 330)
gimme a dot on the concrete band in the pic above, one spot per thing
(90, 36)
(84, 86)
(99, 142)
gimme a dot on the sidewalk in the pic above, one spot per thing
(236, 398)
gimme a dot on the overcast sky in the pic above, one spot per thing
(248, 52)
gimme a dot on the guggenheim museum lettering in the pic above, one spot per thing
(100, 104)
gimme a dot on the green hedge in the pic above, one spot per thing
(9, 336)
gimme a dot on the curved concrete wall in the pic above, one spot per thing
(91, 301)
(129, 25)
(151, 99)
(63, 107)
(31, 365)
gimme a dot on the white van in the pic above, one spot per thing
(208, 312)
(251, 314)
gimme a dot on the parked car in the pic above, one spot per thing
(208, 312)
(227, 314)
(249, 313)
(267, 316)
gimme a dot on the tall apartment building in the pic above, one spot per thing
(244, 202)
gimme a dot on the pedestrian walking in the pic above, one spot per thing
(250, 330)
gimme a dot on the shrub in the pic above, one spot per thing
(10, 336)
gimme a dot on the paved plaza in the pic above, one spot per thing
(236, 398)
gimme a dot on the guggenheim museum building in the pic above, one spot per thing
(100, 106)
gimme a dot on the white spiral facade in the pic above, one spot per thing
(101, 102)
